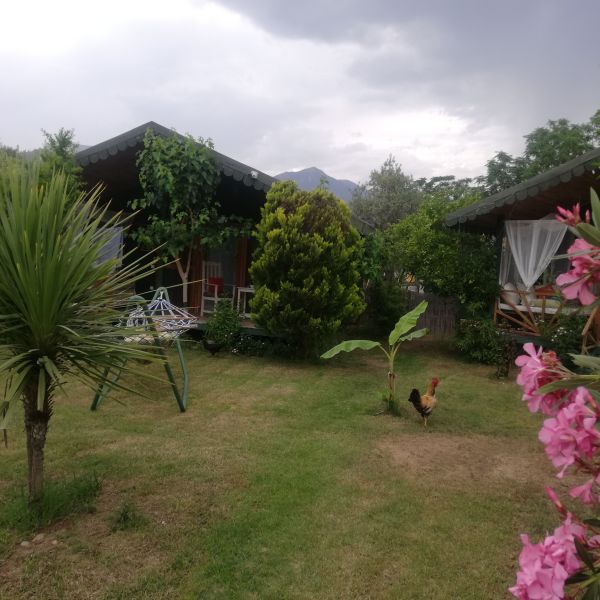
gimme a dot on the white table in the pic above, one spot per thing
(242, 299)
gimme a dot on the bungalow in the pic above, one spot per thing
(522, 218)
(241, 191)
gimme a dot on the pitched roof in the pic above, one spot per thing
(538, 186)
(228, 166)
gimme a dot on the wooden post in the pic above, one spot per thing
(241, 261)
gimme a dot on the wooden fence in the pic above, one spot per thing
(440, 316)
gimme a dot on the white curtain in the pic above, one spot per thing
(531, 246)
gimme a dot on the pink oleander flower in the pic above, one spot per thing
(579, 282)
(572, 434)
(539, 368)
(545, 567)
(571, 217)
(583, 492)
(560, 507)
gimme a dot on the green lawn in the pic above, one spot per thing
(281, 482)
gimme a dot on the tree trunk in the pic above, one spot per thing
(184, 274)
(184, 290)
(36, 428)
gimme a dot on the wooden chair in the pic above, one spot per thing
(591, 332)
(213, 287)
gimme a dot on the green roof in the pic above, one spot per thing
(530, 198)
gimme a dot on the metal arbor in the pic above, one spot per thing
(159, 323)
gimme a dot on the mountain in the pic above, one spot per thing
(309, 179)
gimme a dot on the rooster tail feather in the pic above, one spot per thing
(415, 397)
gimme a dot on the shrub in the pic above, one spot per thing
(482, 341)
(479, 340)
(305, 269)
(564, 336)
(223, 325)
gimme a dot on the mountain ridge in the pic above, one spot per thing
(310, 178)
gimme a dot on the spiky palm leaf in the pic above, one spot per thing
(59, 305)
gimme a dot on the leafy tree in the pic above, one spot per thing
(446, 262)
(59, 305)
(383, 280)
(305, 269)
(58, 154)
(448, 186)
(388, 196)
(545, 147)
(502, 172)
(179, 178)
(558, 142)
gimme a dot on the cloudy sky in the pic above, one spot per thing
(441, 84)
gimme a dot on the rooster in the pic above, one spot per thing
(427, 402)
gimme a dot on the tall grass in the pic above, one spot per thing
(59, 500)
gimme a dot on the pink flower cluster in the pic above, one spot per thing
(539, 368)
(571, 436)
(571, 217)
(580, 282)
(546, 566)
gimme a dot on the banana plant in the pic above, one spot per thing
(401, 333)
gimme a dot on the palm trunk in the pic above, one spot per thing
(36, 428)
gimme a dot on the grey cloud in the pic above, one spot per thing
(502, 67)
(514, 61)
(336, 20)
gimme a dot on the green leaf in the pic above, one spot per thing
(407, 322)
(414, 335)
(349, 346)
(587, 362)
(17, 383)
(566, 384)
(589, 233)
(592, 592)
(578, 577)
(595, 207)
(585, 556)
(594, 522)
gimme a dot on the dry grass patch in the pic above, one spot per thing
(461, 461)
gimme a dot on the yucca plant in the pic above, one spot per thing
(60, 305)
